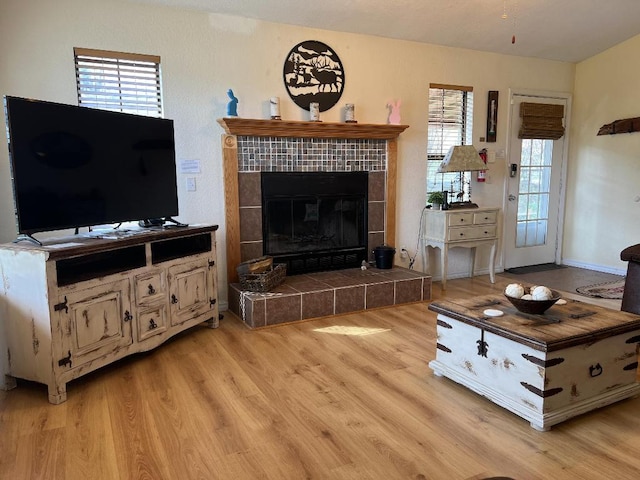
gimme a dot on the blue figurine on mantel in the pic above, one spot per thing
(232, 106)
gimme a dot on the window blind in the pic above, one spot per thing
(450, 123)
(541, 121)
(122, 82)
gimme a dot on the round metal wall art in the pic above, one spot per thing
(313, 73)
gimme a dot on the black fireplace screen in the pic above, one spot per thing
(315, 221)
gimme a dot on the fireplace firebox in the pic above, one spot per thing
(315, 221)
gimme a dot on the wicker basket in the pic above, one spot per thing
(263, 282)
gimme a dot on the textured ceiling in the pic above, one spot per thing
(565, 30)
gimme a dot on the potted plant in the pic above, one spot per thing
(436, 199)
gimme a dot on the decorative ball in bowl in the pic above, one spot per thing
(526, 302)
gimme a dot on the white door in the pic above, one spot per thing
(534, 192)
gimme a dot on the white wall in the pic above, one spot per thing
(203, 55)
(604, 171)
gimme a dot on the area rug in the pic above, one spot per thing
(612, 290)
(542, 267)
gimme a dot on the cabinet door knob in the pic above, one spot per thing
(127, 316)
(151, 289)
(152, 324)
(174, 299)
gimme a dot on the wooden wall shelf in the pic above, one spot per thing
(282, 128)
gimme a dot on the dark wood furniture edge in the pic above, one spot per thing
(85, 245)
(532, 342)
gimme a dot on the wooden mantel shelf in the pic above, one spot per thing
(282, 128)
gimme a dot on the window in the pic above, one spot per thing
(450, 124)
(122, 82)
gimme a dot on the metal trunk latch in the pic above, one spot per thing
(483, 347)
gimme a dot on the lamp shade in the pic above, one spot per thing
(462, 158)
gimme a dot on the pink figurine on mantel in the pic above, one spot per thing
(394, 112)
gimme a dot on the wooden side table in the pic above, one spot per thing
(469, 228)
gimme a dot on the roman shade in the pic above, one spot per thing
(541, 120)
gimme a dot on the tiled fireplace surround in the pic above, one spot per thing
(308, 296)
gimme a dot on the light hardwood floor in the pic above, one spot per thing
(348, 397)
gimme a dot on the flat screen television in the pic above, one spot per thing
(76, 166)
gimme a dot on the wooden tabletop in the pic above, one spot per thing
(559, 327)
(108, 239)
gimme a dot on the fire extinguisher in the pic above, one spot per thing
(482, 173)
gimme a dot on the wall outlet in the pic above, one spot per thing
(403, 252)
(191, 184)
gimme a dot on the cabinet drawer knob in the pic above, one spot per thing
(151, 290)
(174, 299)
(152, 324)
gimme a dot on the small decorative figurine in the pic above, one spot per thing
(349, 113)
(274, 105)
(394, 112)
(314, 112)
(232, 106)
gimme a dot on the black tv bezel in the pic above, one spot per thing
(118, 219)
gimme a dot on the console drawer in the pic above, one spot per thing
(483, 218)
(150, 287)
(461, 218)
(471, 233)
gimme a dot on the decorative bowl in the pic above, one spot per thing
(535, 307)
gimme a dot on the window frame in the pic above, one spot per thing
(450, 123)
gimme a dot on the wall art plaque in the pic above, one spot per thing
(313, 73)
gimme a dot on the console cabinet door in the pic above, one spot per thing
(190, 291)
(95, 322)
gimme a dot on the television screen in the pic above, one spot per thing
(76, 166)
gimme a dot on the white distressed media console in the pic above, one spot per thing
(76, 304)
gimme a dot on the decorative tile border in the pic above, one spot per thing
(280, 154)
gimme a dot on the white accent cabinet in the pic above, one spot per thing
(465, 228)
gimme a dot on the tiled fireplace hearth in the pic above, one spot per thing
(306, 296)
(254, 146)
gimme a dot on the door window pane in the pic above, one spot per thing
(534, 190)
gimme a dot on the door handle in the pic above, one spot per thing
(511, 197)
